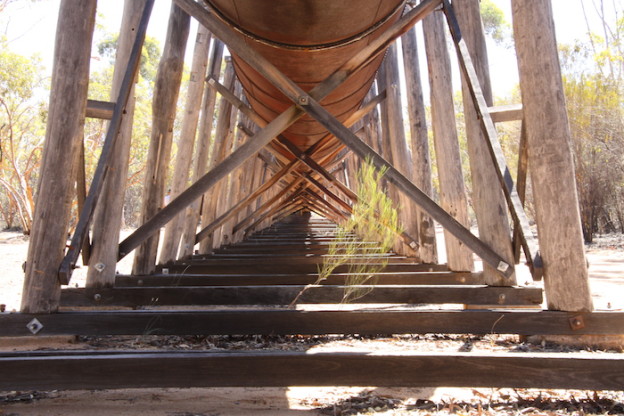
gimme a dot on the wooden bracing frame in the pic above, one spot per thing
(308, 103)
(287, 180)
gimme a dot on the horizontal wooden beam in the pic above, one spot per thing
(271, 266)
(422, 278)
(304, 322)
(284, 295)
(81, 370)
(100, 109)
(503, 113)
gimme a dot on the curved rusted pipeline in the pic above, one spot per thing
(307, 40)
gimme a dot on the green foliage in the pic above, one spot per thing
(22, 131)
(373, 219)
(150, 54)
(594, 88)
(595, 108)
(494, 23)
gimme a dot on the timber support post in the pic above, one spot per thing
(168, 79)
(108, 216)
(550, 158)
(488, 202)
(453, 196)
(68, 103)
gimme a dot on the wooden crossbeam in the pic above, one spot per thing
(284, 295)
(336, 279)
(239, 206)
(304, 157)
(266, 205)
(320, 322)
(100, 109)
(132, 369)
(268, 265)
(503, 113)
(281, 122)
(310, 103)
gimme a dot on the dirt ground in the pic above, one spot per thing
(606, 260)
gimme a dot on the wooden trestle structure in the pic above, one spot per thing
(309, 91)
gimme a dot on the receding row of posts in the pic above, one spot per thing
(399, 135)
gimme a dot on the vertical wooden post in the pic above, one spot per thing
(219, 152)
(221, 236)
(398, 143)
(452, 193)
(488, 201)
(371, 122)
(68, 103)
(166, 92)
(420, 145)
(108, 214)
(186, 143)
(204, 141)
(550, 158)
(385, 142)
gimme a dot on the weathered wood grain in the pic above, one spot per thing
(68, 100)
(129, 369)
(550, 158)
(304, 322)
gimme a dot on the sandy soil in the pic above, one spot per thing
(606, 259)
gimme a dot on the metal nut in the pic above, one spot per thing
(303, 100)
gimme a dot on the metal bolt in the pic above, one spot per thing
(165, 271)
(140, 282)
(577, 322)
(502, 267)
(501, 299)
(97, 297)
(100, 267)
(303, 100)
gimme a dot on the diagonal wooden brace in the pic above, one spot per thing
(97, 184)
(309, 103)
(514, 202)
(281, 122)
